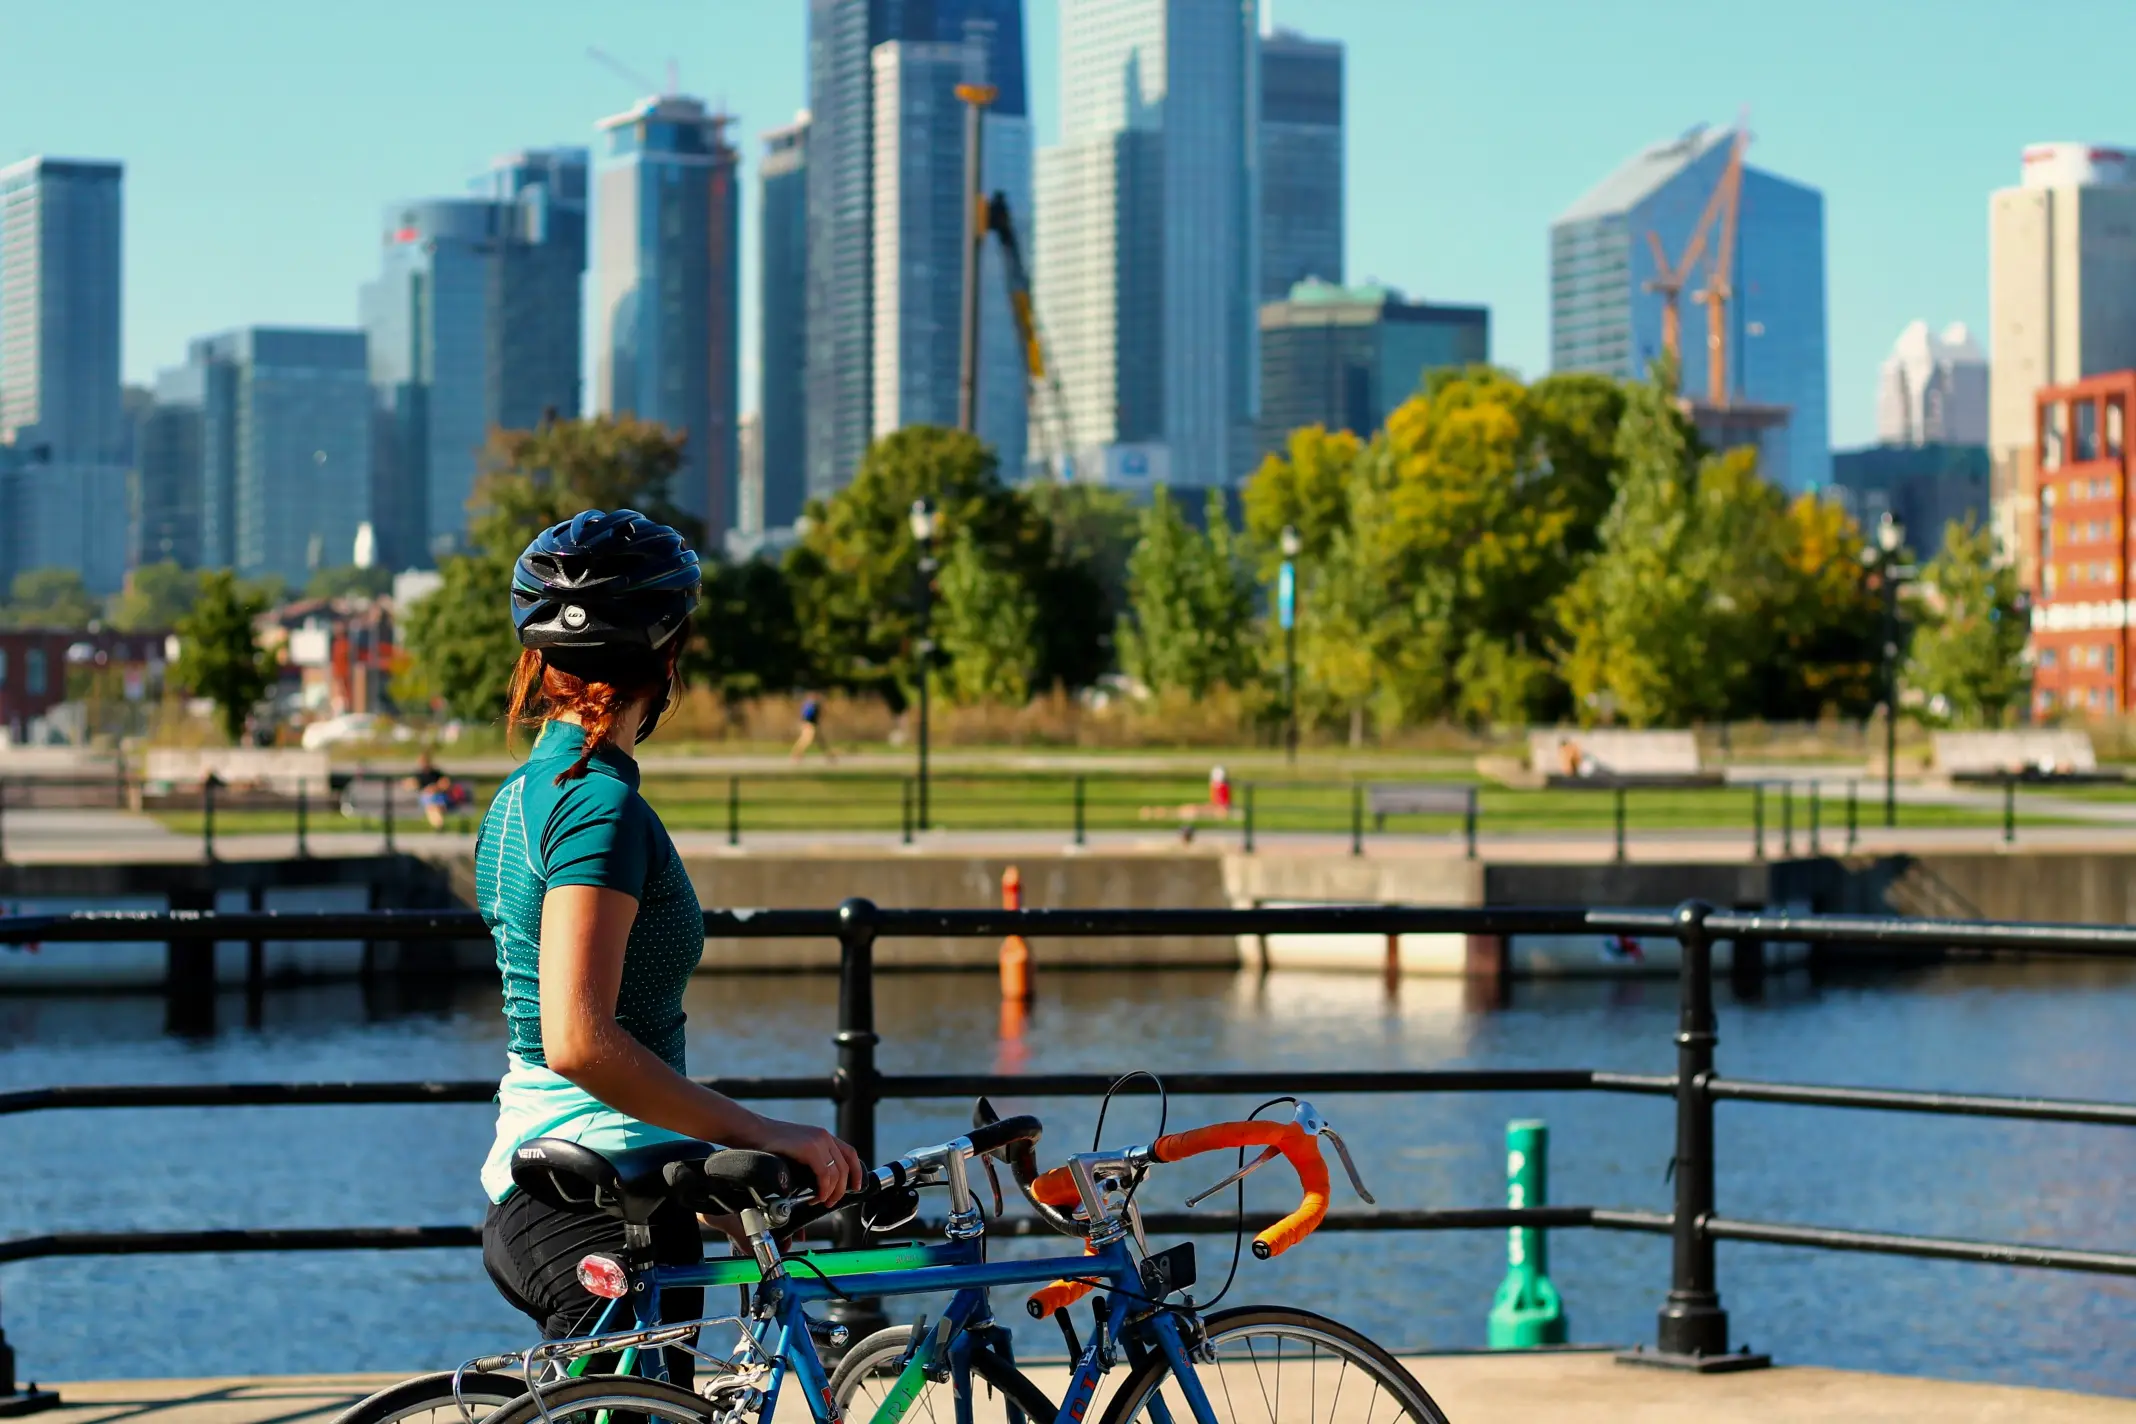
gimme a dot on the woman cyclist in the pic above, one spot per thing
(596, 924)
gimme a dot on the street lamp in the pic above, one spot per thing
(1287, 615)
(1883, 560)
(922, 521)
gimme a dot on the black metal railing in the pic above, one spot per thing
(1692, 1325)
(1073, 806)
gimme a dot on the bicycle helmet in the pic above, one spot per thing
(613, 581)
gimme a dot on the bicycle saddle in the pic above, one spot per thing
(630, 1184)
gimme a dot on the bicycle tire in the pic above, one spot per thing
(430, 1398)
(1320, 1334)
(581, 1401)
(866, 1361)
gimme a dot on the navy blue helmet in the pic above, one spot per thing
(612, 581)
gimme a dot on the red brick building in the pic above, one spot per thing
(2081, 609)
(34, 661)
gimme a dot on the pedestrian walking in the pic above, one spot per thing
(812, 733)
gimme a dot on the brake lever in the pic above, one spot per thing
(1268, 1155)
(993, 1180)
(1312, 1124)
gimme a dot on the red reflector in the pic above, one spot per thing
(604, 1276)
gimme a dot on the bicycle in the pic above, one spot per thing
(1185, 1366)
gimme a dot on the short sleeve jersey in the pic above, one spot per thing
(594, 829)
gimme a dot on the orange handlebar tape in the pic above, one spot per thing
(1057, 1188)
(1299, 1149)
(1061, 1294)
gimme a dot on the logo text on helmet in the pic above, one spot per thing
(574, 616)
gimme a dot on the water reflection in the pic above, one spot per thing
(2048, 1029)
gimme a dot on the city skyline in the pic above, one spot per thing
(1906, 231)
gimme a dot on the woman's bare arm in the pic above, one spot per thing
(583, 932)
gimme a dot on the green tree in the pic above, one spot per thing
(460, 638)
(349, 581)
(50, 598)
(1306, 488)
(1967, 652)
(1081, 589)
(156, 596)
(748, 642)
(855, 572)
(1825, 621)
(219, 656)
(1190, 603)
(987, 627)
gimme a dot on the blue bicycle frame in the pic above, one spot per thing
(954, 1266)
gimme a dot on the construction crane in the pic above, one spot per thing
(1671, 278)
(630, 76)
(1043, 396)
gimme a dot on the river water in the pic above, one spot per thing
(2062, 1030)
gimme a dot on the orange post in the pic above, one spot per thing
(1015, 952)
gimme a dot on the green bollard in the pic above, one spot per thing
(1527, 1312)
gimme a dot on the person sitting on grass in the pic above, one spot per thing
(434, 790)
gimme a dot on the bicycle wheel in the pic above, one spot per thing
(430, 1399)
(601, 1399)
(1279, 1366)
(865, 1376)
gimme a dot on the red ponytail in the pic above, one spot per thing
(541, 692)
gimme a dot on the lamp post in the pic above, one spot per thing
(922, 522)
(1287, 615)
(1883, 560)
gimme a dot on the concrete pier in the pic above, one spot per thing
(1563, 1388)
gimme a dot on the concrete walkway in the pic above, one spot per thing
(1571, 1388)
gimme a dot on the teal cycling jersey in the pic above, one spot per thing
(594, 830)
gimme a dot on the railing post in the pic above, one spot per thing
(1468, 823)
(389, 815)
(1815, 807)
(1787, 818)
(904, 811)
(303, 818)
(1757, 820)
(1854, 830)
(1692, 1329)
(20, 1399)
(208, 784)
(855, 1078)
(2009, 809)
(189, 970)
(1248, 799)
(1080, 814)
(1357, 819)
(734, 810)
(1617, 807)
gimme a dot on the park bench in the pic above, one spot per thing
(2027, 753)
(1419, 798)
(1609, 756)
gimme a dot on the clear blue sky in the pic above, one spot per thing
(261, 137)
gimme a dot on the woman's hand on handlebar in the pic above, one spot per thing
(837, 1167)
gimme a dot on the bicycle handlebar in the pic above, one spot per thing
(1301, 1149)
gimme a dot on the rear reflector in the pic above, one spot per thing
(604, 1276)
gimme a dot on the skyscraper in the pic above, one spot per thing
(1342, 357)
(473, 323)
(782, 307)
(1605, 315)
(666, 288)
(921, 227)
(1301, 162)
(60, 405)
(1933, 389)
(286, 425)
(2061, 307)
(842, 167)
(167, 474)
(1148, 238)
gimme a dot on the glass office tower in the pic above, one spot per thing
(1343, 357)
(1301, 162)
(782, 305)
(666, 288)
(1605, 317)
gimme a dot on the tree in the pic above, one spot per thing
(987, 626)
(156, 596)
(1081, 590)
(219, 656)
(1190, 604)
(350, 581)
(1824, 625)
(50, 598)
(1967, 654)
(1306, 488)
(855, 572)
(460, 637)
(748, 642)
